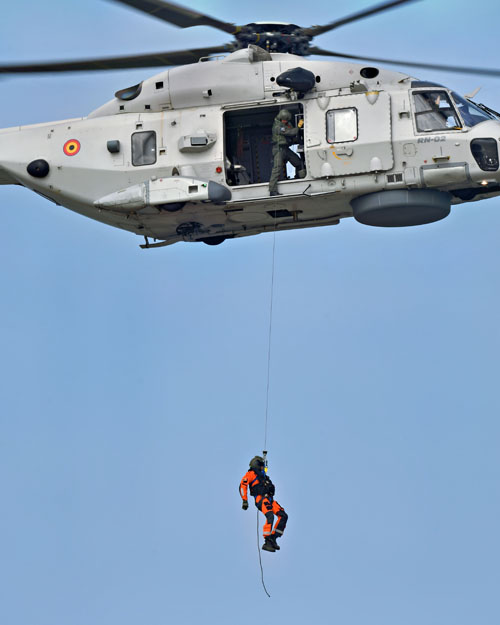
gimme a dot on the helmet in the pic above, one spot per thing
(257, 463)
(284, 114)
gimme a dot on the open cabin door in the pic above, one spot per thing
(348, 134)
(249, 146)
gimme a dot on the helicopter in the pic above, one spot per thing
(186, 155)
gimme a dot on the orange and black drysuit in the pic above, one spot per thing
(263, 489)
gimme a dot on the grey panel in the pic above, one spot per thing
(442, 175)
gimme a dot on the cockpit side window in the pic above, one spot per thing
(471, 114)
(434, 111)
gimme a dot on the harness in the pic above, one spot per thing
(279, 138)
(262, 486)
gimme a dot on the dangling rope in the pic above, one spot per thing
(260, 558)
(267, 398)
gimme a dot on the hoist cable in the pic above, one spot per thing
(267, 396)
(269, 339)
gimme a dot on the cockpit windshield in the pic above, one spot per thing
(470, 112)
(434, 111)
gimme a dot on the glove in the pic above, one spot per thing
(244, 505)
(300, 124)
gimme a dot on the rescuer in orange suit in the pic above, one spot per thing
(262, 489)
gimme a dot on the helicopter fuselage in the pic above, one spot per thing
(186, 155)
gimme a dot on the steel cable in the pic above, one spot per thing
(267, 394)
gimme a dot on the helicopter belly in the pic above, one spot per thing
(246, 218)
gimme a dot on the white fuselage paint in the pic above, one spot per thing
(190, 101)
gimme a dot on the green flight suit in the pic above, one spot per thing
(283, 135)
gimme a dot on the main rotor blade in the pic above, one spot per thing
(446, 68)
(313, 31)
(178, 15)
(160, 59)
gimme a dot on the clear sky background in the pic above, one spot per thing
(133, 382)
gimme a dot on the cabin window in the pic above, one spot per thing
(434, 111)
(144, 148)
(342, 125)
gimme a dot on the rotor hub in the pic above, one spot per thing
(274, 37)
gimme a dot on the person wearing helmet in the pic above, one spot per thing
(284, 135)
(263, 489)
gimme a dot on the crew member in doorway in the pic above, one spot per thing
(262, 489)
(284, 135)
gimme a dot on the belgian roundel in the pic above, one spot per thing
(71, 147)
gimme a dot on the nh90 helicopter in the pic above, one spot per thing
(187, 154)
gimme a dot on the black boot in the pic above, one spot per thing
(274, 542)
(268, 545)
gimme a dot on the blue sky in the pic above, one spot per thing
(133, 382)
